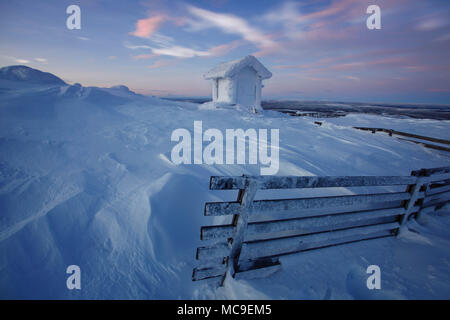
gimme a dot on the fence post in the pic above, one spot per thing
(240, 221)
(425, 192)
(415, 190)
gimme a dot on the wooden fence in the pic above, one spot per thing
(261, 231)
(415, 138)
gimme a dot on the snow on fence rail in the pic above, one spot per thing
(418, 139)
(260, 231)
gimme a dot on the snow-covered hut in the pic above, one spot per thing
(238, 82)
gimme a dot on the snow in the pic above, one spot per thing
(86, 179)
(231, 68)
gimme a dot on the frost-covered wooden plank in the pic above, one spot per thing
(440, 184)
(218, 250)
(258, 271)
(427, 145)
(416, 136)
(437, 178)
(405, 134)
(445, 194)
(279, 246)
(341, 241)
(433, 204)
(217, 232)
(290, 182)
(437, 198)
(303, 225)
(321, 223)
(438, 188)
(432, 171)
(209, 272)
(221, 208)
(323, 243)
(213, 281)
(266, 206)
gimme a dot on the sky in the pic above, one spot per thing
(316, 49)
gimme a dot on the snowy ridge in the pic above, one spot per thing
(29, 75)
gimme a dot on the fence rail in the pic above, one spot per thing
(422, 140)
(260, 231)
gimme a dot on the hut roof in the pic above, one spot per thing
(229, 69)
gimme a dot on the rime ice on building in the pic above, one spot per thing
(238, 82)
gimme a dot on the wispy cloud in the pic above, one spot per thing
(160, 64)
(147, 26)
(341, 8)
(161, 39)
(438, 90)
(83, 38)
(230, 24)
(166, 47)
(180, 52)
(431, 23)
(351, 61)
(144, 56)
(287, 15)
(41, 60)
(184, 52)
(414, 68)
(200, 19)
(22, 60)
(16, 60)
(223, 49)
(352, 78)
(136, 47)
(444, 37)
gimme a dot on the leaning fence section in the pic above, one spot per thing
(260, 231)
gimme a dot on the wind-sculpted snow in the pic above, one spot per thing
(86, 179)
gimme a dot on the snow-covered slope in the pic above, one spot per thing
(29, 75)
(86, 179)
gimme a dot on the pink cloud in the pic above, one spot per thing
(160, 64)
(431, 24)
(144, 56)
(146, 27)
(363, 60)
(438, 90)
(351, 78)
(415, 68)
(361, 64)
(223, 49)
(335, 8)
(266, 51)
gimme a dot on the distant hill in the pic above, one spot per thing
(29, 75)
